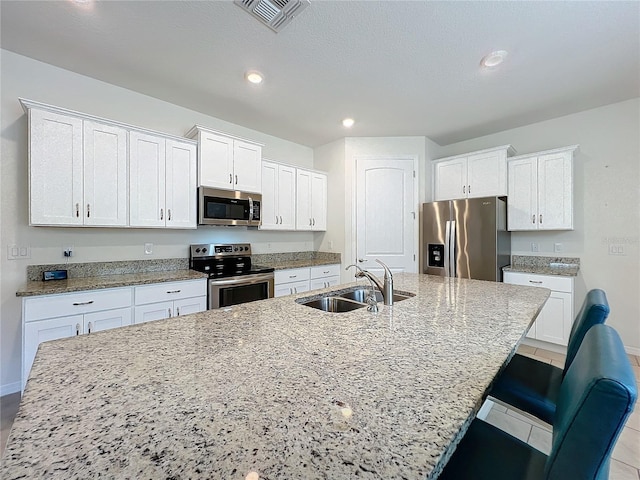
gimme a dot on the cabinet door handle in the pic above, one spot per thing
(533, 218)
(162, 214)
(310, 222)
(295, 289)
(276, 219)
(230, 178)
(464, 189)
(169, 313)
(314, 222)
(236, 179)
(173, 291)
(77, 329)
(540, 218)
(177, 311)
(535, 281)
(281, 220)
(89, 327)
(469, 189)
(169, 214)
(291, 290)
(77, 210)
(75, 304)
(88, 210)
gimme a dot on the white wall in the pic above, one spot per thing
(607, 202)
(24, 77)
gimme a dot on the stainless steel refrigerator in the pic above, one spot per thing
(466, 238)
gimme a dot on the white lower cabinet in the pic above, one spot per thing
(323, 276)
(171, 299)
(52, 317)
(554, 322)
(299, 280)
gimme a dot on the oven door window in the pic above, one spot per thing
(234, 295)
(226, 209)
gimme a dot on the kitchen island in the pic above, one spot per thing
(272, 389)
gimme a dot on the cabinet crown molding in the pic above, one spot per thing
(197, 128)
(509, 148)
(569, 149)
(29, 104)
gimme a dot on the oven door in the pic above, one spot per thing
(224, 292)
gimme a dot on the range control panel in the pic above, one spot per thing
(220, 250)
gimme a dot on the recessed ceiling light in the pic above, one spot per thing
(254, 77)
(493, 59)
(348, 122)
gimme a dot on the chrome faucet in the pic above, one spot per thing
(386, 287)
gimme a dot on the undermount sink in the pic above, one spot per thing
(360, 295)
(334, 304)
(347, 300)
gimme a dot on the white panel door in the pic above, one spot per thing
(269, 207)
(247, 170)
(99, 321)
(105, 175)
(450, 179)
(303, 200)
(487, 174)
(152, 312)
(555, 192)
(180, 186)
(286, 197)
(147, 180)
(187, 306)
(554, 322)
(44, 330)
(522, 205)
(55, 169)
(216, 161)
(385, 214)
(318, 201)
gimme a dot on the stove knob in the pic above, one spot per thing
(204, 250)
(197, 250)
(235, 249)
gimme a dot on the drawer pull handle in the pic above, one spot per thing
(83, 303)
(535, 281)
(326, 271)
(293, 276)
(173, 291)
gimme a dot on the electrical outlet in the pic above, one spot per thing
(616, 249)
(330, 244)
(557, 247)
(18, 252)
(148, 248)
(534, 247)
(67, 251)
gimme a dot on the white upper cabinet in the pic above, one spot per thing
(88, 171)
(227, 162)
(162, 188)
(541, 190)
(477, 174)
(77, 171)
(278, 197)
(311, 200)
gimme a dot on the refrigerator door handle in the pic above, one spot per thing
(447, 235)
(452, 250)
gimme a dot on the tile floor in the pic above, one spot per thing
(625, 464)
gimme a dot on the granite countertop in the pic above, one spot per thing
(564, 266)
(38, 287)
(283, 261)
(272, 387)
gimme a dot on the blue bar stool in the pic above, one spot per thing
(533, 386)
(597, 395)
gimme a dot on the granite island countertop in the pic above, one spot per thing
(539, 265)
(272, 387)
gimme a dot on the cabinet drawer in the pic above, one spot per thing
(51, 306)
(325, 271)
(291, 275)
(162, 292)
(552, 282)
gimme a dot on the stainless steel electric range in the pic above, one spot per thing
(232, 277)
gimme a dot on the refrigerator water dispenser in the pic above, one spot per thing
(436, 255)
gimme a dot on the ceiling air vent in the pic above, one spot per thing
(275, 14)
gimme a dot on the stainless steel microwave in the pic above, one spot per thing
(227, 207)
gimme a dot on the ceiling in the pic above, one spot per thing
(397, 67)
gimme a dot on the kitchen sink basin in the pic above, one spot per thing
(334, 304)
(360, 295)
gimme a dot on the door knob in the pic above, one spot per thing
(361, 260)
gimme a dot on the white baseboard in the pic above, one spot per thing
(9, 388)
(633, 350)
